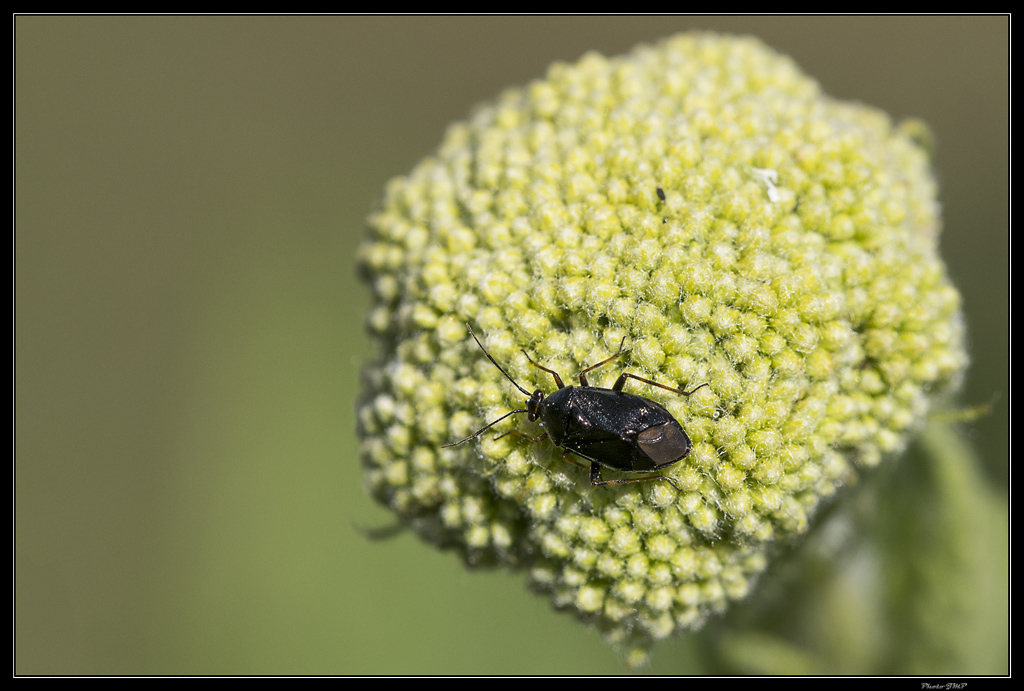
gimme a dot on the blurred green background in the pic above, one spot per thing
(189, 196)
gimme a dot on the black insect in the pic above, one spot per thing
(661, 195)
(608, 427)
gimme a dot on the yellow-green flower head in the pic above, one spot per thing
(791, 265)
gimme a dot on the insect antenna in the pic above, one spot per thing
(484, 429)
(494, 362)
(500, 369)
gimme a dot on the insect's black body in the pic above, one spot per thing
(608, 427)
(612, 428)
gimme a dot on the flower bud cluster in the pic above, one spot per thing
(703, 200)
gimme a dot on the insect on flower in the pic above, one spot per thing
(608, 427)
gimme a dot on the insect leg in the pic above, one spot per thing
(595, 479)
(553, 373)
(565, 457)
(626, 375)
(524, 436)
(583, 377)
